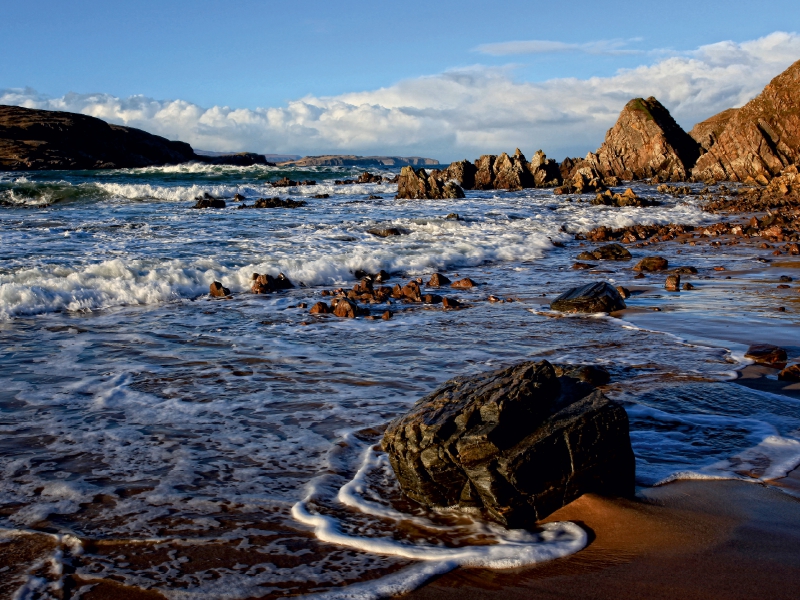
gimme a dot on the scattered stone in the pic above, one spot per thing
(367, 177)
(431, 299)
(581, 265)
(274, 203)
(607, 252)
(519, 442)
(267, 284)
(685, 271)
(673, 283)
(785, 278)
(438, 280)
(321, 196)
(373, 197)
(590, 298)
(766, 354)
(719, 268)
(652, 263)
(386, 231)
(464, 284)
(628, 198)
(238, 198)
(453, 217)
(790, 373)
(387, 315)
(450, 303)
(208, 201)
(345, 309)
(783, 286)
(218, 291)
(494, 299)
(591, 374)
(688, 286)
(320, 308)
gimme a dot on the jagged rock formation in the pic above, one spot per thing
(504, 172)
(519, 442)
(706, 133)
(761, 138)
(351, 160)
(32, 139)
(646, 142)
(421, 185)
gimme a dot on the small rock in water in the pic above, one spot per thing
(607, 252)
(624, 292)
(438, 280)
(791, 373)
(766, 354)
(785, 278)
(450, 303)
(453, 217)
(238, 198)
(590, 298)
(208, 201)
(345, 309)
(320, 308)
(387, 315)
(583, 266)
(652, 263)
(688, 286)
(386, 231)
(218, 291)
(673, 283)
(465, 283)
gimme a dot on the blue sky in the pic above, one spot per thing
(261, 55)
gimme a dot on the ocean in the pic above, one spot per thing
(228, 448)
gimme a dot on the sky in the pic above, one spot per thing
(443, 79)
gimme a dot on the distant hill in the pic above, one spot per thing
(273, 158)
(351, 160)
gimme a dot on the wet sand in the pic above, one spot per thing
(688, 539)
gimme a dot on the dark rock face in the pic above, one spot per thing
(590, 298)
(646, 142)
(208, 201)
(42, 139)
(238, 159)
(766, 354)
(517, 442)
(274, 203)
(761, 138)
(386, 231)
(607, 252)
(421, 185)
(791, 373)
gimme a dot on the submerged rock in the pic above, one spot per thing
(518, 442)
(590, 298)
(208, 201)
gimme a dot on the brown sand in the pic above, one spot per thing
(688, 539)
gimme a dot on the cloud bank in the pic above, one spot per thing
(604, 47)
(456, 114)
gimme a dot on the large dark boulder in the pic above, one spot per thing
(518, 442)
(590, 298)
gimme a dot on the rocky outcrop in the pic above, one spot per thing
(519, 442)
(421, 185)
(238, 159)
(706, 133)
(628, 198)
(589, 298)
(505, 172)
(351, 160)
(761, 138)
(646, 142)
(43, 139)
(607, 252)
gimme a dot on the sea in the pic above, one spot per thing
(230, 447)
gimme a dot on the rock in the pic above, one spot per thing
(685, 271)
(581, 265)
(515, 442)
(208, 201)
(420, 185)
(589, 298)
(652, 263)
(761, 138)
(345, 309)
(450, 303)
(511, 172)
(321, 196)
(285, 182)
(624, 292)
(461, 172)
(607, 252)
(673, 283)
(386, 231)
(367, 177)
(387, 315)
(791, 373)
(409, 291)
(688, 286)
(646, 142)
(218, 291)
(706, 133)
(33, 139)
(275, 203)
(238, 198)
(627, 199)
(266, 284)
(320, 308)
(545, 171)
(239, 159)
(465, 283)
(438, 280)
(591, 374)
(453, 217)
(766, 354)
(431, 299)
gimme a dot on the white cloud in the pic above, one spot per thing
(456, 114)
(606, 47)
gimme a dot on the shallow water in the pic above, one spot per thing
(204, 447)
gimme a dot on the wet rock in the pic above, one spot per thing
(217, 290)
(626, 199)
(345, 309)
(421, 185)
(431, 299)
(367, 177)
(386, 231)
(685, 271)
(450, 303)
(284, 182)
(387, 315)
(581, 265)
(652, 263)
(320, 308)
(275, 203)
(238, 198)
(463, 284)
(453, 217)
(438, 280)
(321, 196)
(624, 292)
(462, 173)
(688, 286)
(591, 374)
(607, 252)
(590, 298)
(766, 354)
(515, 442)
(208, 201)
(673, 283)
(646, 142)
(266, 284)
(790, 373)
